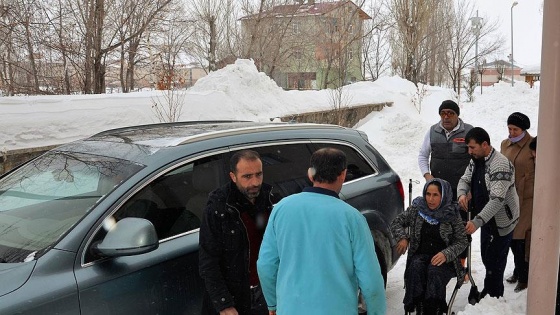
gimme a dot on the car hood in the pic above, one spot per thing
(14, 275)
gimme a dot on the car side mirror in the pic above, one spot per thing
(129, 236)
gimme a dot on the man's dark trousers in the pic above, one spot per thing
(494, 250)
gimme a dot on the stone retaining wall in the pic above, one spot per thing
(11, 159)
(347, 116)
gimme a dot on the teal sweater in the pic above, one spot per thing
(317, 250)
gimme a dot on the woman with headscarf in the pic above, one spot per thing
(516, 149)
(434, 234)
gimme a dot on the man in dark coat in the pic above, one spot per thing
(231, 233)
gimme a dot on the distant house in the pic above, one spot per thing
(532, 74)
(184, 73)
(307, 45)
(499, 70)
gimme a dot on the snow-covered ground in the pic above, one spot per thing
(239, 91)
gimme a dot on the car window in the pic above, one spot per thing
(174, 201)
(285, 168)
(357, 165)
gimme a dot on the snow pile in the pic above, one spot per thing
(245, 93)
(238, 78)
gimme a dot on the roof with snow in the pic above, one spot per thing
(293, 10)
(499, 63)
(531, 70)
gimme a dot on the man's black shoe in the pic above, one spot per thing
(512, 279)
(520, 287)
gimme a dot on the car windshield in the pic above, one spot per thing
(42, 200)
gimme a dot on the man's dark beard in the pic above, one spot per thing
(476, 159)
(248, 195)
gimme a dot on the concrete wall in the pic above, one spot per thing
(347, 116)
(13, 158)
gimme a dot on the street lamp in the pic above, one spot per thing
(476, 26)
(512, 5)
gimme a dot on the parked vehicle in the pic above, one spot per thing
(109, 224)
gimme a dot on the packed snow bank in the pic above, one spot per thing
(238, 91)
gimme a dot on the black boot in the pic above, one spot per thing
(441, 307)
(435, 307)
(409, 309)
(429, 309)
(420, 308)
(416, 307)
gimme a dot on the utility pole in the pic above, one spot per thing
(512, 5)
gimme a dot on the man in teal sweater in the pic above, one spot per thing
(317, 250)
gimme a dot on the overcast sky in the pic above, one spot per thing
(527, 27)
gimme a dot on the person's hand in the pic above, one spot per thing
(229, 311)
(470, 228)
(428, 176)
(438, 259)
(464, 202)
(271, 312)
(402, 246)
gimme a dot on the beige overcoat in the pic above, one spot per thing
(520, 155)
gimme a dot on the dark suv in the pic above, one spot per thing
(109, 224)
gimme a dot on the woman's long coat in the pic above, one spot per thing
(520, 156)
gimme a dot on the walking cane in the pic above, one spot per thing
(409, 204)
(410, 192)
(474, 294)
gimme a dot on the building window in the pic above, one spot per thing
(332, 26)
(350, 54)
(295, 28)
(298, 54)
(351, 29)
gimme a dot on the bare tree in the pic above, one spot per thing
(7, 30)
(63, 44)
(411, 19)
(21, 23)
(376, 42)
(436, 43)
(135, 50)
(272, 36)
(101, 23)
(214, 21)
(461, 52)
(469, 84)
(168, 104)
(173, 40)
(500, 68)
(342, 44)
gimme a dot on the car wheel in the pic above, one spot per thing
(382, 264)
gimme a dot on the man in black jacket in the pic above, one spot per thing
(231, 233)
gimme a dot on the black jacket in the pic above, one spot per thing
(224, 249)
